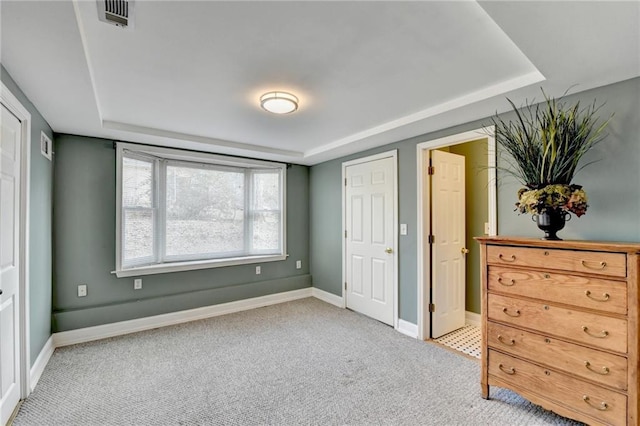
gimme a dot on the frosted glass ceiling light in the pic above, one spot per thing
(279, 102)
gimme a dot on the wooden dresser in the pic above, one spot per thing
(560, 325)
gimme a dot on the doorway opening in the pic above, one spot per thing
(478, 148)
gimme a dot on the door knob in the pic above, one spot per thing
(388, 250)
(464, 250)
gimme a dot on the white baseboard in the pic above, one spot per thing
(41, 363)
(327, 297)
(471, 318)
(407, 328)
(88, 334)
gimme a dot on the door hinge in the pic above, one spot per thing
(345, 285)
(431, 170)
(345, 181)
(432, 307)
(432, 239)
(345, 233)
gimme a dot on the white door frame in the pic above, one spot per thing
(13, 104)
(424, 211)
(389, 154)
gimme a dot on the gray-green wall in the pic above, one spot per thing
(84, 223)
(40, 207)
(326, 228)
(612, 184)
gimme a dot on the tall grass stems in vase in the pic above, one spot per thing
(545, 145)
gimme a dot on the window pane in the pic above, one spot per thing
(205, 211)
(177, 206)
(266, 188)
(266, 231)
(137, 178)
(138, 236)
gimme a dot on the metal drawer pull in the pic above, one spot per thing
(510, 371)
(602, 335)
(604, 372)
(506, 311)
(602, 407)
(511, 342)
(605, 296)
(512, 258)
(511, 282)
(601, 266)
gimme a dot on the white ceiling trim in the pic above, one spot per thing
(150, 131)
(87, 57)
(474, 102)
(468, 99)
(477, 96)
(162, 133)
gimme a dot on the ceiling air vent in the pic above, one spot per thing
(116, 12)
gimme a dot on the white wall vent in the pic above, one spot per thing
(116, 12)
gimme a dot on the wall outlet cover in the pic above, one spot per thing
(298, 264)
(137, 284)
(82, 290)
(258, 270)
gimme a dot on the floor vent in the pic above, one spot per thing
(116, 12)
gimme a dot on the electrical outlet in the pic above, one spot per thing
(82, 290)
(403, 229)
(137, 284)
(298, 264)
(258, 270)
(486, 228)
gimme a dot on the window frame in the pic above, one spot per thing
(198, 159)
(153, 208)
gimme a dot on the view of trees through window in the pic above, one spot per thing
(139, 213)
(176, 211)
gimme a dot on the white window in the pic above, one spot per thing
(178, 210)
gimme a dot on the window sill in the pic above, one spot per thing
(194, 265)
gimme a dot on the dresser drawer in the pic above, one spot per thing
(602, 404)
(587, 292)
(590, 262)
(594, 330)
(598, 366)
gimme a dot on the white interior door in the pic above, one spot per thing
(448, 230)
(10, 142)
(370, 238)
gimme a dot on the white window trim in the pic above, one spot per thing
(175, 154)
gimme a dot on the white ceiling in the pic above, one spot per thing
(189, 74)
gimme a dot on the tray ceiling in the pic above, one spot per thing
(190, 74)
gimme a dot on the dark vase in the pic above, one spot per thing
(551, 222)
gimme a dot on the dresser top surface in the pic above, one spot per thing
(563, 244)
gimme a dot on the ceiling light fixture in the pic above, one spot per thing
(279, 102)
